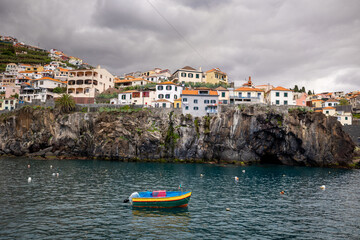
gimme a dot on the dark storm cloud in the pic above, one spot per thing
(310, 43)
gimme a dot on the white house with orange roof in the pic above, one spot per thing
(48, 83)
(168, 91)
(199, 102)
(131, 81)
(246, 95)
(329, 111)
(280, 96)
(61, 74)
(331, 103)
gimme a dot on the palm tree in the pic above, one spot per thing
(66, 103)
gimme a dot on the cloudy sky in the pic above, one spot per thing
(310, 43)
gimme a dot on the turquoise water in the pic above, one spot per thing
(86, 201)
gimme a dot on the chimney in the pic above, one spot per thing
(249, 78)
(199, 69)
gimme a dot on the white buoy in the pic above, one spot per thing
(50, 166)
(29, 179)
(57, 174)
(201, 175)
(322, 187)
(227, 209)
(28, 165)
(243, 171)
(236, 178)
(54, 174)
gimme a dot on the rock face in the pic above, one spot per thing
(248, 135)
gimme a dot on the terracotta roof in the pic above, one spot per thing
(51, 79)
(162, 100)
(332, 100)
(63, 69)
(130, 91)
(26, 71)
(280, 89)
(188, 68)
(132, 80)
(167, 83)
(318, 110)
(202, 88)
(329, 108)
(196, 92)
(248, 89)
(317, 100)
(215, 70)
(221, 89)
(179, 99)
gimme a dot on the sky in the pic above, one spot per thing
(309, 43)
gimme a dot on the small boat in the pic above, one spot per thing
(159, 199)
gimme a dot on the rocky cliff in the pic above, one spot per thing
(238, 135)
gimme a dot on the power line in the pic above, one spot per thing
(173, 27)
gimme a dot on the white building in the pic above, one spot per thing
(247, 95)
(84, 85)
(280, 96)
(48, 83)
(331, 103)
(168, 91)
(12, 69)
(188, 74)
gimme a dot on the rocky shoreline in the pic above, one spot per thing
(245, 135)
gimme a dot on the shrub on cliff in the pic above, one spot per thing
(65, 103)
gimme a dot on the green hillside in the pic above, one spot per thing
(8, 55)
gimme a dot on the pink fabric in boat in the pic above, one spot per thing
(160, 193)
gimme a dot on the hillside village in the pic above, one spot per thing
(46, 77)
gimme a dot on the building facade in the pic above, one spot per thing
(168, 91)
(188, 74)
(84, 85)
(216, 76)
(280, 96)
(247, 95)
(199, 103)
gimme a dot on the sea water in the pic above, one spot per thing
(83, 199)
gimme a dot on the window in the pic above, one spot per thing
(164, 105)
(213, 101)
(285, 94)
(277, 102)
(41, 82)
(223, 94)
(339, 118)
(175, 88)
(175, 96)
(100, 76)
(196, 108)
(197, 75)
(161, 96)
(224, 101)
(206, 101)
(277, 94)
(186, 107)
(259, 95)
(168, 87)
(285, 102)
(206, 108)
(184, 99)
(248, 94)
(191, 75)
(195, 101)
(167, 96)
(329, 104)
(177, 105)
(160, 88)
(240, 94)
(216, 75)
(183, 74)
(123, 97)
(346, 118)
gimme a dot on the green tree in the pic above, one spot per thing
(65, 103)
(309, 92)
(343, 102)
(296, 88)
(16, 95)
(59, 90)
(303, 89)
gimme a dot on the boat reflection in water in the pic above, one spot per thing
(152, 221)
